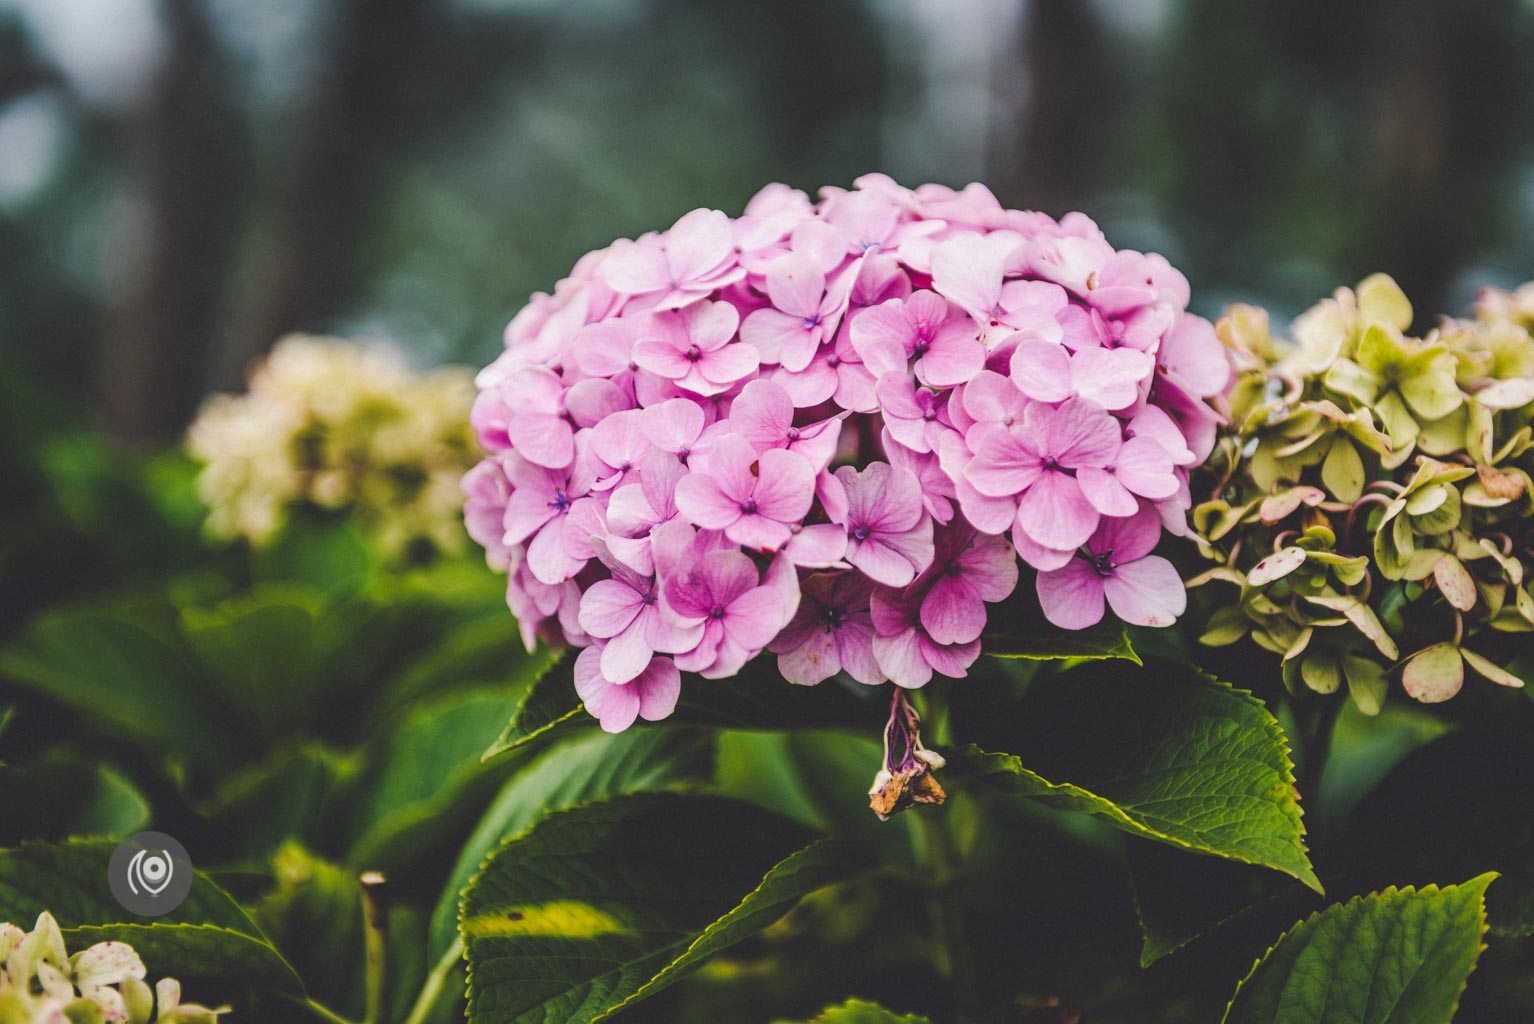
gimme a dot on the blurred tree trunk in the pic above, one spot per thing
(305, 260)
(171, 246)
(1068, 104)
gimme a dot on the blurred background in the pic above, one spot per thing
(182, 181)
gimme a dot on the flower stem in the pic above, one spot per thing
(375, 920)
(431, 991)
(319, 1010)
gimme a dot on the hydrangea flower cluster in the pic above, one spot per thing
(1371, 500)
(338, 425)
(40, 983)
(829, 431)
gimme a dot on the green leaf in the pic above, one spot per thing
(1094, 644)
(112, 665)
(294, 794)
(860, 1011)
(1180, 897)
(1400, 956)
(197, 951)
(549, 703)
(600, 906)
(588, 767)
(1164, 753)
(420, 774)
(207, 934)
(64, 796)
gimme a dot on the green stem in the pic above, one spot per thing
(432, 990)
(375, 919)
(1315, 718)
(320, 1010)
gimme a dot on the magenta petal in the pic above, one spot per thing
(1003, 466)
(758, 533)
(1037, 555)
(659, 687)
(951, 660)
(952, 612)
(614, 707)
(813, 660)
(1072, 596)
(1128, 538)
(817, 547)
(702, 503)
(855, 651)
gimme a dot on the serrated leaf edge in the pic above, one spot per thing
(1389, 891)
(86, 931)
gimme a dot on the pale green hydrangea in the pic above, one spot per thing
(40, 983)
(345, 426)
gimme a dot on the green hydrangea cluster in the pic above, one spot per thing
(340, 425)
(1370, 497)
(40, 983)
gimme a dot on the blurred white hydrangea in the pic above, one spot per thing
(40, 983)
(345, 426)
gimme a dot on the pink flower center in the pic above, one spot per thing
(793, 433)
(560, 502)
(1103, 563)
(693, 353)
(748, 507)
(717, 612)
(833, 361)
(861, 533)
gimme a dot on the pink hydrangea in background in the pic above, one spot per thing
(838, 431)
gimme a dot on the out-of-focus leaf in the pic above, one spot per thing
(207, 934)
(860, 1011)
(1456, 807)
(1395, 957)
(589, 767)
(65, 797)
(423, 770)
(602, 905)
(325, 551)
(112, 665)
(294, 794)
(1163, 753)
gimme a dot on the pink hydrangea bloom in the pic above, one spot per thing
(831, 632)
(1141, 588)
(836, 431)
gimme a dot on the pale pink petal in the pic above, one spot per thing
(696, 244)
(673, 425)
(1055, 514)
(614, 707)
(1002, 466)
(854, 646)
(1106, 493)
(899, 657)
(662, 358)
(762, 414)
(951, 660)
(1147, 592)
(753, 618)
(817, 547)
(703, 503)
(626, 654)
(546, 555)
(770, 331)
(1110, 377)
(636, 268)
(1080, 433)
(1072, 596)
(812, 660)
(951, 359)
(795, 285)
(608, 607)
(758, 533)
(1042, 370)
(1144, 467)
(785, 485)
(968, 270)
(1037, 555)
(543, 440)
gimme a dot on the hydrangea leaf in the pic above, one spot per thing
(1181, 897)
(1400, 956)
(207, 930)
(1181, 759)
(550, 702)
(63, 796)
(590, 766)
(1098, 643)
(861, 1011)
(1343, 471)
(600, 906)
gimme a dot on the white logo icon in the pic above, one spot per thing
(151, 871)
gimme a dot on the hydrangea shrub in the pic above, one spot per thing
(1371, 502)
(835, 432)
